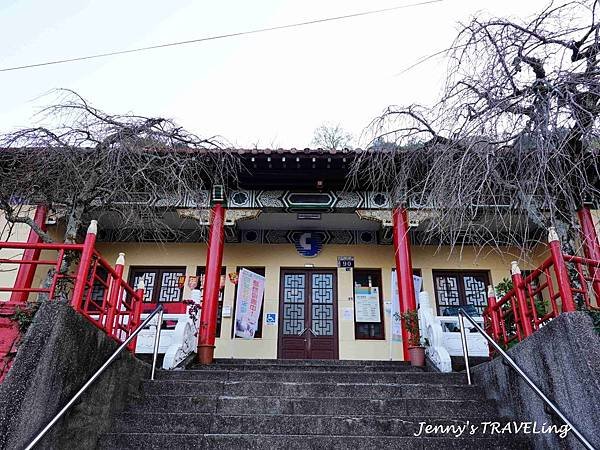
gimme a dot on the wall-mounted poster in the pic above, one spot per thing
(395, 306)
(251, 287)
(366, 304)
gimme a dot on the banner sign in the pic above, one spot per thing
(366, 304)
(395, 307)
(251, 288)
(395, 310)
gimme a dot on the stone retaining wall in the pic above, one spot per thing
(59, 353)
(563, 359)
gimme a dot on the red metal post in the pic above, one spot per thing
(519, 290)
(26, 272)
(113, 295)
(591, 247)
(404, 271)
(560, 270)
(212, 281)
(84, 266)
(494, 315)
(137, 313)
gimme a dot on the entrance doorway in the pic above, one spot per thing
(308, 314)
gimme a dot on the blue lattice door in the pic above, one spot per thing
(308, 315)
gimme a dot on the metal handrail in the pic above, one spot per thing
(123, 346)
(462, 313)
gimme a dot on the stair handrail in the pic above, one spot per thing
(463, 314)
(109, 361)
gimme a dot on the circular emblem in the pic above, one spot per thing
(308, 244)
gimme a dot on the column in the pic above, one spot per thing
(591, 247)
(26, 272)
(404, 271)
(212, 280)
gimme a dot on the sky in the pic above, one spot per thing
(265, 90)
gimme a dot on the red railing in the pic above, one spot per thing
(555, 286)
(95, 289)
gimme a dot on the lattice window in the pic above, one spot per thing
(447, 292)
(169, 290)
(161, 283)
(294, 297)
(454, 289)
(475, 292)
(322, 304)
(149, 279)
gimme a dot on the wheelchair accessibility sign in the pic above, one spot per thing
(271, 318)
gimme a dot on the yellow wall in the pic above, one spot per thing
(596, 218)
(17, 233)
(274, 257)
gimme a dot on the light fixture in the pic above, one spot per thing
(218, 193)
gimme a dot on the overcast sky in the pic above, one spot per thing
(270, 89)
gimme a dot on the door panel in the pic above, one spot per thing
(308, 315)
(323, 343)
(293, 315)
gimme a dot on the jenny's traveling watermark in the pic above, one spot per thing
(491, 428)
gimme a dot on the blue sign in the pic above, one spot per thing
(271, 318)
(308, 244)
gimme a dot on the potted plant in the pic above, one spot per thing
(415, 349)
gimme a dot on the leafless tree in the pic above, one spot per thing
(127, 167)
(332, 137)
(512, 145)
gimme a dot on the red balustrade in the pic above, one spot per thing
(554, 287)
(94, 289)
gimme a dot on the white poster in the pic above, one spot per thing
(251, 288)
(348, 314)
(395, 310)
(366, 304)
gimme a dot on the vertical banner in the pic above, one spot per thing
(395, 319)
(250, 290)
(395, 307)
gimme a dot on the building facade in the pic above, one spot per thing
(328, 254)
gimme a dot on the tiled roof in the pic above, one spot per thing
(299, 151)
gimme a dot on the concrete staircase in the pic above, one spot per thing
(268, 404)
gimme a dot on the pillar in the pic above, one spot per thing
(560, 271)
(494, 314)
(26, 272)
(523, 309)
(404, 271)
(212, 281)
(83, 271)
(591, 247)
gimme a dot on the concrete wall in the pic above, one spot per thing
(59, 353)
(274, 257)
(563, 359)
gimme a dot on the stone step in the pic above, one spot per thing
(308, 362)
(352, 425)
(297, 389)
(114, 441)
(314, 376)
(451, 409)
(307, 368)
